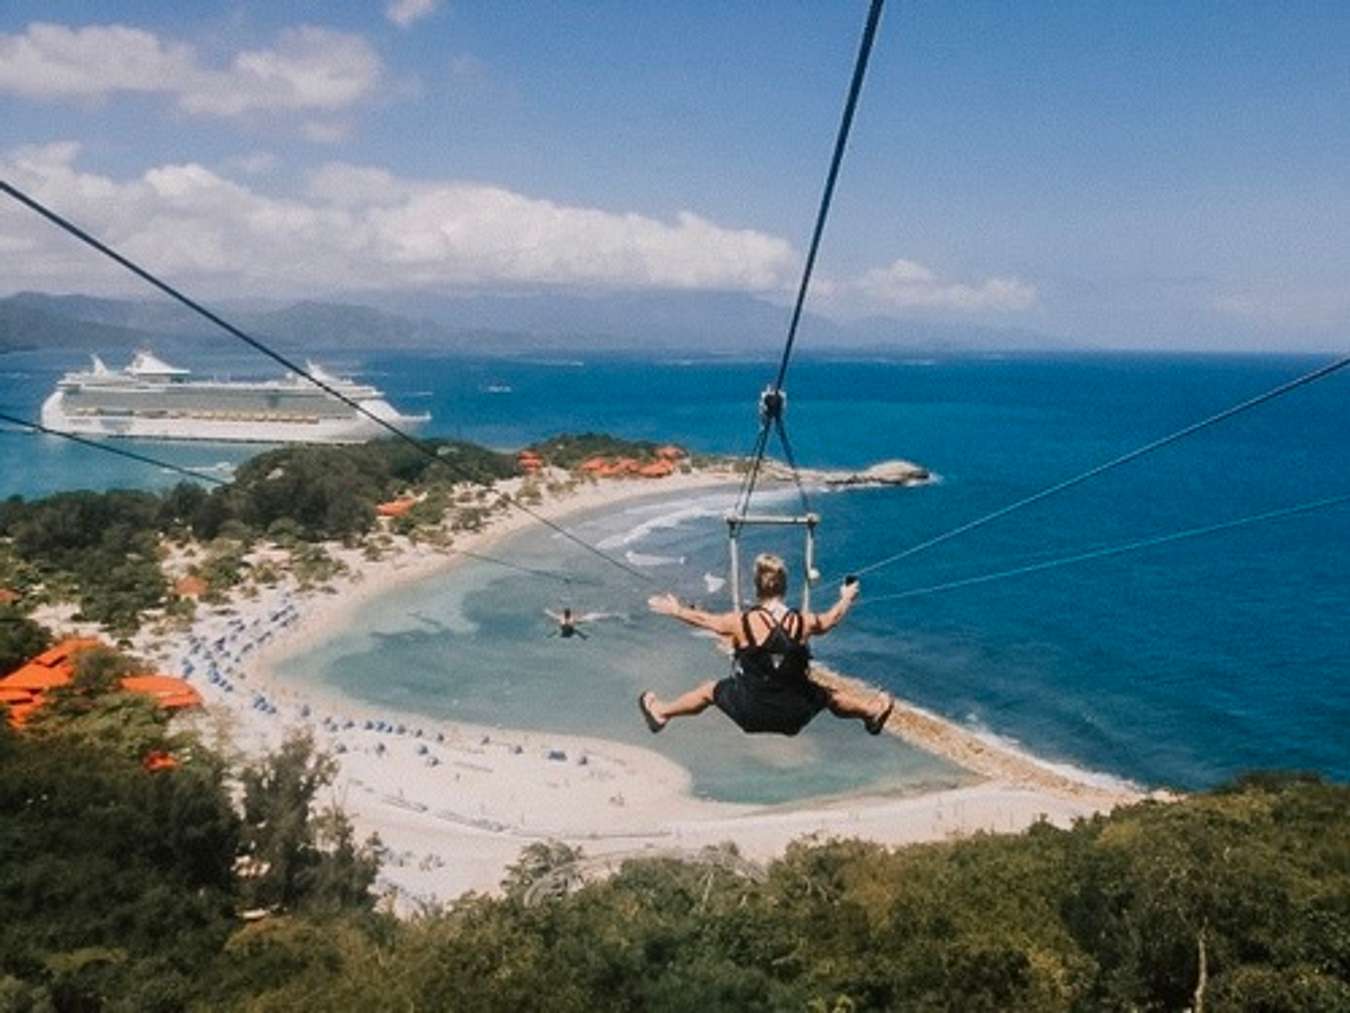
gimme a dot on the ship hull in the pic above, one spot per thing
(346, 429)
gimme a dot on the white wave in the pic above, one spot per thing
(713, 584)
(595, 617)
(675, 513)
(642, 559)
(1008, 744)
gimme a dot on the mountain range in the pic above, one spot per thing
(697, 323)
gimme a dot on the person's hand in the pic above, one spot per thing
(850, 591)
(664, 604)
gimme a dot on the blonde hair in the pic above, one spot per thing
(770, 576)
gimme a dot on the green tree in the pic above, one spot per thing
(20, 638)
(300, 856)
(111, 879)
(93, 710)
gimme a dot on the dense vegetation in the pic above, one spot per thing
(20, 638)
(124, 890)
(568, 450)
(103, 550)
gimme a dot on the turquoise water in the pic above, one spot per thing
(1182, 665)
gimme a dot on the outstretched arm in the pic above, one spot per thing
(722, 623)
(823, 622)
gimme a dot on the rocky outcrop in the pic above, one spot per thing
(884, 473)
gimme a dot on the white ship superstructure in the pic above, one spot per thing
(151, 399)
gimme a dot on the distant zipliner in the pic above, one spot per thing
(568, 623)
(770, 688)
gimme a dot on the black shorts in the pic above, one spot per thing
(759, 706)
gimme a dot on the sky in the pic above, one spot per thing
(1143, 175)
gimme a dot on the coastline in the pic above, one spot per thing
(454, 803)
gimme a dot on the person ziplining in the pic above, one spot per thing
(567, 624)
(770, 688)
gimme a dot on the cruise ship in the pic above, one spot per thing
(153, 400)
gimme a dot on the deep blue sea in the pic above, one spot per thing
(1180, 665)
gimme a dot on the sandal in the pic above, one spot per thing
(874, 725)
(654, 724)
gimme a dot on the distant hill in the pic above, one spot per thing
(25, 325)
(696, 323)
(701, 323)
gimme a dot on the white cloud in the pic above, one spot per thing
(404, 12)
(909, 285)
(361, 227)
(53, 61)
(326, 132)
(307, 69)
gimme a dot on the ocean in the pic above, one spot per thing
(1180, 665)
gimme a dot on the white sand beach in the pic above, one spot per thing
(455, 803)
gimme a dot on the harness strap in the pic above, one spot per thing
(780, 624)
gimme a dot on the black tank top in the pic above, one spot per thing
(782, 657)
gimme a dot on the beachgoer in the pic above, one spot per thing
(567, 624)
(770, 688)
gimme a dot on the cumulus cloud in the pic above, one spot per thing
(306, 69)
(362, 227)
(404, 12)
(52, 61)
(908, 285)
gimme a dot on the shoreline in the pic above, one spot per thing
(454, 803)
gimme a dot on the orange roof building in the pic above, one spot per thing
(671, 452)
(157, 760)
(169, 692)
(396, 507)
(63, 654)
(19, 703)
(657, 469)
(190, 586)
(53, 667)
(8, 597)
(22, 691)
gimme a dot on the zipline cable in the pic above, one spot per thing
(840, 143)
(1148, 448)
(1113, 550)
(259, 346)
(827, 197)
(27, 427)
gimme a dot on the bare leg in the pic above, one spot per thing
(847, 703)
(696, 701)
